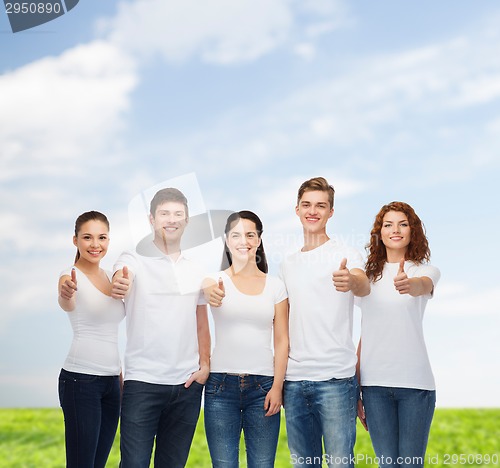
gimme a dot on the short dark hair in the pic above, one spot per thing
(169, 194)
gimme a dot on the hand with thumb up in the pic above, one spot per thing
(342, 278)
(401, 280)
(121, 283)
(69, 286)
(216, 294)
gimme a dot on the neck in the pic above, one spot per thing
(87, 267)
(171, 249)
(244, 269)
(395, 256)
(311, 241)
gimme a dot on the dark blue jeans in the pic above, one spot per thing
(91, 407)
(399, 421)
(233, 404)
(167, 412)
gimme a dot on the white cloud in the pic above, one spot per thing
(60, 108)
(457, 299)
(219, 31)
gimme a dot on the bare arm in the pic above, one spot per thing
(203, 331)
(361, 408)
(361, 284)
(274, 398)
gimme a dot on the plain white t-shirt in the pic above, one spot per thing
(321, 346)
(244, 328)
(95, 320)
(393, 351)
(162, 340)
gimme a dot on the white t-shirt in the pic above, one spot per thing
(244, 328)
(321, 346)
(393, 351)
(95, 320)
(162, 340)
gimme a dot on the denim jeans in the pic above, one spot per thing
(167, 412)
(321, 412)
(235, 403)
(399, 421)
(91, 408)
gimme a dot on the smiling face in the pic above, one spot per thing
(242, 241)
(92, 241)
(395, 232)
(314, 211)
(169, 222)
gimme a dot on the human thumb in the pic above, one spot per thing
(401, 266)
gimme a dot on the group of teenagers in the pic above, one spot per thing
(280, 341)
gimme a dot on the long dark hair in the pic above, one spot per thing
(83, 218)
(260, 257)
(418, 249)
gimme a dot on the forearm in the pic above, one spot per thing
(420, 286)
(68, 305)
(204, 342)
(360, 283)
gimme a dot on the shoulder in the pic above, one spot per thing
(277, 287)
(128, 258)
(424, 269)
(66, 272)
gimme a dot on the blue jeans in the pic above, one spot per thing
(91, 408)
(233, 404)
(399, 421)
(321, 412)
(167, 412)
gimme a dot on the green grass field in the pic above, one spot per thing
(466, 437)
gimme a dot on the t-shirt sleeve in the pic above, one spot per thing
(355, 260)
(66, 272)
(280, 293)
(127, 259)
(425, 270)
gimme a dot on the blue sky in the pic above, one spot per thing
(388, 100)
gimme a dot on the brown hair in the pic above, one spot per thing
(317, 184)
(168, 195)
(418, 249)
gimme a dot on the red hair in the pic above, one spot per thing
(418, 249)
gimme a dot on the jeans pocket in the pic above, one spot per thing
(264, 384)
(214, 385)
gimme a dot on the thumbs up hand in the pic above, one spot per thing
(342, 278)
(121, 283)
(401, 280)
(216, 294)
(69, 286)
